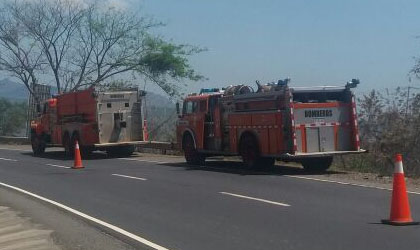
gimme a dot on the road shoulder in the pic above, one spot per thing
(69, 232)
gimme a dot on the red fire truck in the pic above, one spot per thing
(308, 125)
(105, 120)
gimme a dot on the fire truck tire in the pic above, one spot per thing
(38, 144)
(190, 152)
(250, 152)
(319, 164)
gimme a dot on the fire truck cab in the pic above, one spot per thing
(307, 125)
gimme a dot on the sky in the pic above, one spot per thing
(324, 42)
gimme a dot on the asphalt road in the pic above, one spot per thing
(219, 206)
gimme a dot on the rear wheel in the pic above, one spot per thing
(38, 144)
(318, 164)
(192, 156)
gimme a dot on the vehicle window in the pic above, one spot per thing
(188, 107)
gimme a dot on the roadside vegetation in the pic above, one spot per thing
(389, 123)
(12, 117)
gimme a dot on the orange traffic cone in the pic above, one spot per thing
(77, 157)
(400, 207)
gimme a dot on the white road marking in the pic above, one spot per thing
(6, 159)
(133, 159)
(57, 166)
(90, 218)
(131, 177)
(344, 183)
(257, 199)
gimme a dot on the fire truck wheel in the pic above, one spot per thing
(250, 152)
(191, 155)
(317, 164)
(38, 144)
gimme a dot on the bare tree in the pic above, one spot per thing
(113, 42)
(52, 24)
(20, 55)
(82, 45)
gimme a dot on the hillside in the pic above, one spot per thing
(12, 90)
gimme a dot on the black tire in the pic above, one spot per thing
(319, 164)
(249, 151)
(190, 152)
(38, 144)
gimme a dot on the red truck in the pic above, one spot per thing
(104, 120)
(308, 125)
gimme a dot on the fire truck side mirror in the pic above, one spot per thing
(177, 108)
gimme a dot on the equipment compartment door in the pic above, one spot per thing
(326, 139)
(312, 140)
(119, 116)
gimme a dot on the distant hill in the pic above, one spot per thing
(12, 90)
(17, 92)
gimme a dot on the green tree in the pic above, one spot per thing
(12, 117)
